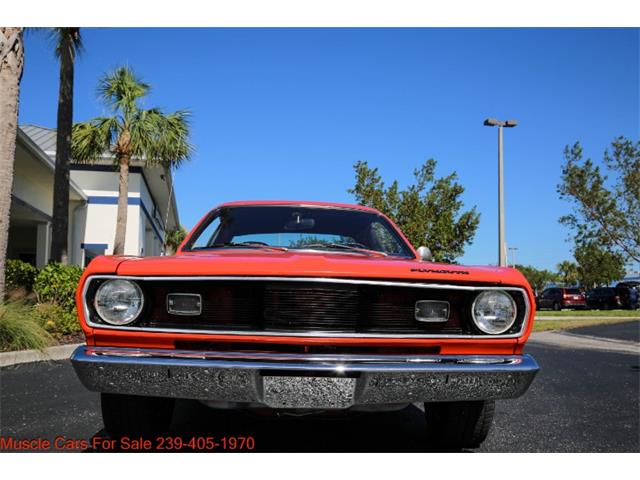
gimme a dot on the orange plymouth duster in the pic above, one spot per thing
(302, 307)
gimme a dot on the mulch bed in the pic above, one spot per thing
(71, 338)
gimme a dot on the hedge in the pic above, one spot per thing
(57, 283)
(20, 274)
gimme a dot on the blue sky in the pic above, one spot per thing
(285, 113)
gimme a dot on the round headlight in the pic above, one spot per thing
(494, 311)
(119, 302)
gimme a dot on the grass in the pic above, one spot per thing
(560, 324)
(589, 313)
(20, 330)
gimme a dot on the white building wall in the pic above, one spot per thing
(78, 217)
(43, 244)
(100, 183)
(101, 188)
(153, 240)
(100, 227)
(32, 183)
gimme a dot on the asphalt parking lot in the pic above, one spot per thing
(583, 400)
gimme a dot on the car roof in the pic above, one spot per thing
(302, 203)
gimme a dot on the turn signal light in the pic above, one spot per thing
(184, 303)
(432, 311)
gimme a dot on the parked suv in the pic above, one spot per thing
(559, 298)
(605, 298)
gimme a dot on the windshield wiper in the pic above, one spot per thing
(342, 246)
(258, 245)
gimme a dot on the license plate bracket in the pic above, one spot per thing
(311, 392)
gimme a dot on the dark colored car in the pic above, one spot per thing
(559, 298)
(606, 298)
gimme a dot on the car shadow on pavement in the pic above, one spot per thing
(194, 423)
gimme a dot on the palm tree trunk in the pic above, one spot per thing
(11, 63)
(123, 197)
(60, 224)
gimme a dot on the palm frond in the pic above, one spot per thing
(120, 90)
(66, 38)
(173, 238)
(161, 139)
(90, 140)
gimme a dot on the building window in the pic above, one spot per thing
(93, 250)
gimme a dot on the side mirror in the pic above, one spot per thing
(425, 254)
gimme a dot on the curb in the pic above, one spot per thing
(59, 352)
(564, 339)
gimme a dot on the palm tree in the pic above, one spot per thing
(11, 65)
(68, 43)
(173, 238)
(149, 136)
(568, 272)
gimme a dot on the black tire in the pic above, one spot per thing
(556, 306)
(455, 425)
(132, 416)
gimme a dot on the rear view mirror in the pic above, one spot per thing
(425, 254)
(299, 223)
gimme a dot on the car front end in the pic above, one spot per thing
(303, 328)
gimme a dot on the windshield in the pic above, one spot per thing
(299, 228)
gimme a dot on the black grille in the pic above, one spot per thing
(296, 307)
(300, 306)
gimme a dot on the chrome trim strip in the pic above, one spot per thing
(140, 355)
(317, 362)
(525, 322)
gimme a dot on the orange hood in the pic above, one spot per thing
(302, 264)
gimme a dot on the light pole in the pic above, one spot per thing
(502, 250)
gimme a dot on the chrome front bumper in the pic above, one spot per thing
(302, 381)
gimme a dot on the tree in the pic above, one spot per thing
(597, 265)
(306, 240)
(427, 211)
(68, 43)
(538, 279)
(173, 238)
(11, 66)
(605, 205)
(568, 272)
(149, 136)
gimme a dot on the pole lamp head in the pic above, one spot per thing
(510, 123)
(492, 122)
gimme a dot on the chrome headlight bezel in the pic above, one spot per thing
(129, 318)
(482, 326)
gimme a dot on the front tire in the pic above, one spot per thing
(132, 415)
(455, 425)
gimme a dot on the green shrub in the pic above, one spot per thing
(56, 319)
(19, 328)
(20, 274)
(57, 283)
